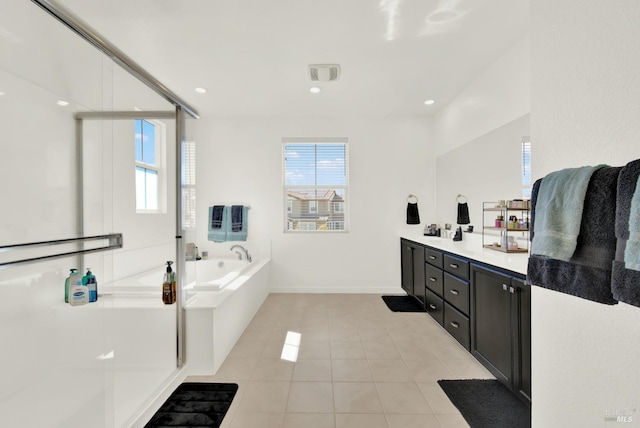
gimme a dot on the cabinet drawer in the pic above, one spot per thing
(433, 257)
(434, 306)
(456, 292)
(433, 279)
(456, 266)
(457, 325)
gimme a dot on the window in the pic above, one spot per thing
(148, 166)
(189, 185)
(315, 184)
(526, 167)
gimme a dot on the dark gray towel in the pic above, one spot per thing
(413, 216)
(534, 197)
(588, 273)
(463, 213)
(216, 216)
(625, 283)
(236, 218)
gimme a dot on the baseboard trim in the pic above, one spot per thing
(333, 290)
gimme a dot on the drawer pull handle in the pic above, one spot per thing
(454, 324)
(512, 290)
(504, 287)
(432, 279)
(432, 306)
(432, 257)
(453, 265)
(454, 292)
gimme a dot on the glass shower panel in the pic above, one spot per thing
(55, 369)
(67, 118)
(143, 328)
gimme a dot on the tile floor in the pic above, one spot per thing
(358, 365)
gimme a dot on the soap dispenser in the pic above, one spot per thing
(169, 286)
(458, 235)
(92, 285)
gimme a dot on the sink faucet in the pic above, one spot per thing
(247, 256)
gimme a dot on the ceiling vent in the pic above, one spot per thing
(324, 72)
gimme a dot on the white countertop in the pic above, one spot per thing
(471, 248)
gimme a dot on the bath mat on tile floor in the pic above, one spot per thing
(487, 403)
(402, 304)
(195, 404)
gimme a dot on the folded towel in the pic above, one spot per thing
(463, 213)
(559, 207)
(236, 218)
(632, 250)
(625, 281)
(237, 223)
(626, 189)
(216, 216)
(587, 274)
(413, 216)
(218, 234)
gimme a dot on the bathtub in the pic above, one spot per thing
(210, 275)
(216, 274)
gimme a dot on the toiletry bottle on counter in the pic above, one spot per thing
(169, 286)
(70, 281)
(92, 285)
(78, 293)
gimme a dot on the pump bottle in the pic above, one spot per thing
(169, 286)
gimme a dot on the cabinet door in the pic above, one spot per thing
(418, 273)
(406, 255)
(522, 327)
(491, 334)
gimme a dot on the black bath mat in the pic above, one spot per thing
(402, 304)
(487, 403)
(195, 404)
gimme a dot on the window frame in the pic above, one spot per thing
(288, 203)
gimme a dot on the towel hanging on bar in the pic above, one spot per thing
(463, 210)
(413, 216)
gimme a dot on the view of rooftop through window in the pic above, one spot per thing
(315, 184)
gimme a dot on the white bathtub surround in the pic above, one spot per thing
(216, 319)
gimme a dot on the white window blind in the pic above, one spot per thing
(189, 185)
(316, 185)
(526, 167)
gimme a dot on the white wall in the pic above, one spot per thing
(497, 96)
(240, 161)
(584, 110)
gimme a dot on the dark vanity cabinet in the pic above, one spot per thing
(447, 293)
(485, 308)
(412, 259)
(500, 309)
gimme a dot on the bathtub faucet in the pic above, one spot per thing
(247, 256)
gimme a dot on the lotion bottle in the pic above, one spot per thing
(70, 281)
(78, 293)
(169, 286)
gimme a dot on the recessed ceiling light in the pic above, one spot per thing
(1, 93)
(429, 102)
(314, 90)
(201, 90)
(62, 103)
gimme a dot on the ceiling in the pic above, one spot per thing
(252, 55)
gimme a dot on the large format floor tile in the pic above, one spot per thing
(357, 364)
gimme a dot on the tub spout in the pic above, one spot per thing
(247, 256)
